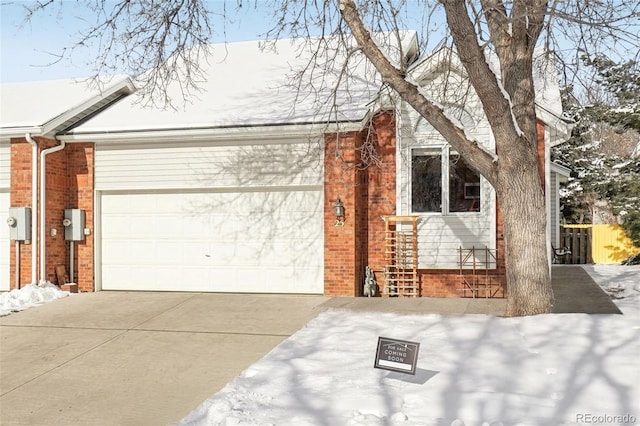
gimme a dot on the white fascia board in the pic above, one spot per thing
(561, 170)
(213, 134)
(124, 86)
(560, 129)
(19, 132)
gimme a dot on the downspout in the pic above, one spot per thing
(43, 204)
(34, 207)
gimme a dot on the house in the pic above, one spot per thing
(235, 191)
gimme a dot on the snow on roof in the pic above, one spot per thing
(544, 74)
(40, 105)
(256, 83)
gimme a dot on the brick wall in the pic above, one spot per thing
(56, 202)
(21, 197)
(341, 176)
(80, 195)
(69, 184)
(541, 151)
(367, 192)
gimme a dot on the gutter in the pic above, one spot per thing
(34, 206)
(220, 133)
(43, 204)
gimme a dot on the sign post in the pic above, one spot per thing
(397, 355)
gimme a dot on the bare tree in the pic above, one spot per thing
(163, 34)
(511, 30)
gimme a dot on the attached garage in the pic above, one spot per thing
(217, 216)
(5, 178)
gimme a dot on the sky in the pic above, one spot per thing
(471, 370)
(29, 51)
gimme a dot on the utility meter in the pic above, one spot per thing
(73, 223)
(19, 222)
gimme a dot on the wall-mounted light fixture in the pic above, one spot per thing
(338, 209)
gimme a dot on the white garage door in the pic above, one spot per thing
(217, 218)
(265, 242)
(4, 241)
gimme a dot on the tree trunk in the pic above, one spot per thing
(523, 210)
(514, 173)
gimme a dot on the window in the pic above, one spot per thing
(464, 186)
(442, 182)
(426, 181)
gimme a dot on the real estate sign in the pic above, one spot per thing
(397, 355)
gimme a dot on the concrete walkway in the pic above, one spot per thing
(576, 292)
(128, 358)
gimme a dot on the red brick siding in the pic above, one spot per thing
(20, 196)
(69, 184)
(541, 151)
(56, 202)
(369, 193)
(80, 183)
(340, 242)
(381, 194)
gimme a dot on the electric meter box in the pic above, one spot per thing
(73, 224)
(19, 222)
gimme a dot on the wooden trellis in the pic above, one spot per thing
(401, 256)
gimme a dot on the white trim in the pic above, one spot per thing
(548, 191)
(561, 170)
(216, 133)
(19, 132)
(398, 158)
(97, 240)
(124, 87)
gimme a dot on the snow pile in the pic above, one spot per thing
(29, 296)
(622, 283)
(557, 369)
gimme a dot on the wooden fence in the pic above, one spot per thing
(600, 243)
(578, 239)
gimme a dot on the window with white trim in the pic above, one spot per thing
(442, 182)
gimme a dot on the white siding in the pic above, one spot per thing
(555, 207)
(441, 235)
(165, 166)
(5, 165)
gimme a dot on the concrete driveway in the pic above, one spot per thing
(126, 358)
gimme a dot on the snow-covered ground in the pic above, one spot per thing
(29, 296)
(547, 370)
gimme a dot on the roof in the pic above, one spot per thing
(547, 90)
(45, 108)
(563, 173)
(252, 84)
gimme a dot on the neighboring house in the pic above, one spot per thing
(235, 190)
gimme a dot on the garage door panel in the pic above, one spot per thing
(248, 241)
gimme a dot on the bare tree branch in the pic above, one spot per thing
(395, 77)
